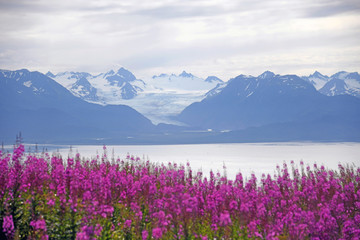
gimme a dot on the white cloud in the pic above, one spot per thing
(211, 37)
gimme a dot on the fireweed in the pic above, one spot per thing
(50, 197)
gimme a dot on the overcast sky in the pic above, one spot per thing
(205, 37)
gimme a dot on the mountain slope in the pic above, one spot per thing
(269, 99)
(317, 79)
(42, 109)
(325, 129)
(342, 83)
(102, 88)
(159, 98)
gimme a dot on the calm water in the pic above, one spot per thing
(255, 158)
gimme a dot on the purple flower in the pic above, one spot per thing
(51, 203)
(85, 233)
(8, 226)
(144, 234)
(225, 219)
(319, 203)
(157, 233)
(127, 223)
(98, 229)
(233, 205)
(38, 224)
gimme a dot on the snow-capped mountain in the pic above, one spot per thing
(253, 83)
(267, 107)
(27, 84)
(219, 87)
(83, 88)
(42, 108)
(158, 98)
(121, 84)
(212, 79)
(342, 83)
(103, 88)
(166, 95)
(247, 101)
(338, 84)
(317, 79)
(183, 82)
(162, 97)
(335, 87)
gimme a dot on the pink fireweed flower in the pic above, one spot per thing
(38, 224)
(225, 219)
(318, 203)
(51, 203)
(144, 234)
(214, 227)
(157, 233)
(233, 205)
(127, 223)
(203, 237)
(85, 233)
(98, 230)
(8, 226)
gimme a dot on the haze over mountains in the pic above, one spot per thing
(85, 107)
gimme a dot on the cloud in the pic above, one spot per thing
(326, 8)
(221, 36)
(165, 12)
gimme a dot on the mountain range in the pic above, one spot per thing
(341, 83)
(43, 110)
(273, 106)
(116, 107)
(159, 98)
(101, 88)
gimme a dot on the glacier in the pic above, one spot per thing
(159, 98)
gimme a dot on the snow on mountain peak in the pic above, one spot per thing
(353, 75)
(347, 76)
(340, 75)
(122, 75)
(123, 71)
(211, 79)
(215, 91)
(317, 74)
(343, 83)
(184, 82)
(267, 74)
(335, 87)
(111, 72)
(50, 74)
(186, 75)
(102, 88)
(317, 79)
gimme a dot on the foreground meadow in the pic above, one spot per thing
(51, 197)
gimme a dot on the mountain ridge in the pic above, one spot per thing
(274, 100)
(340, 83)
(41, 108)
(245, 107)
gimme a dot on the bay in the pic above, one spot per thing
(247, 158)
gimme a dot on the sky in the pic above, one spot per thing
(224, 38)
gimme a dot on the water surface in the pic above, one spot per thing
(248, 158)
